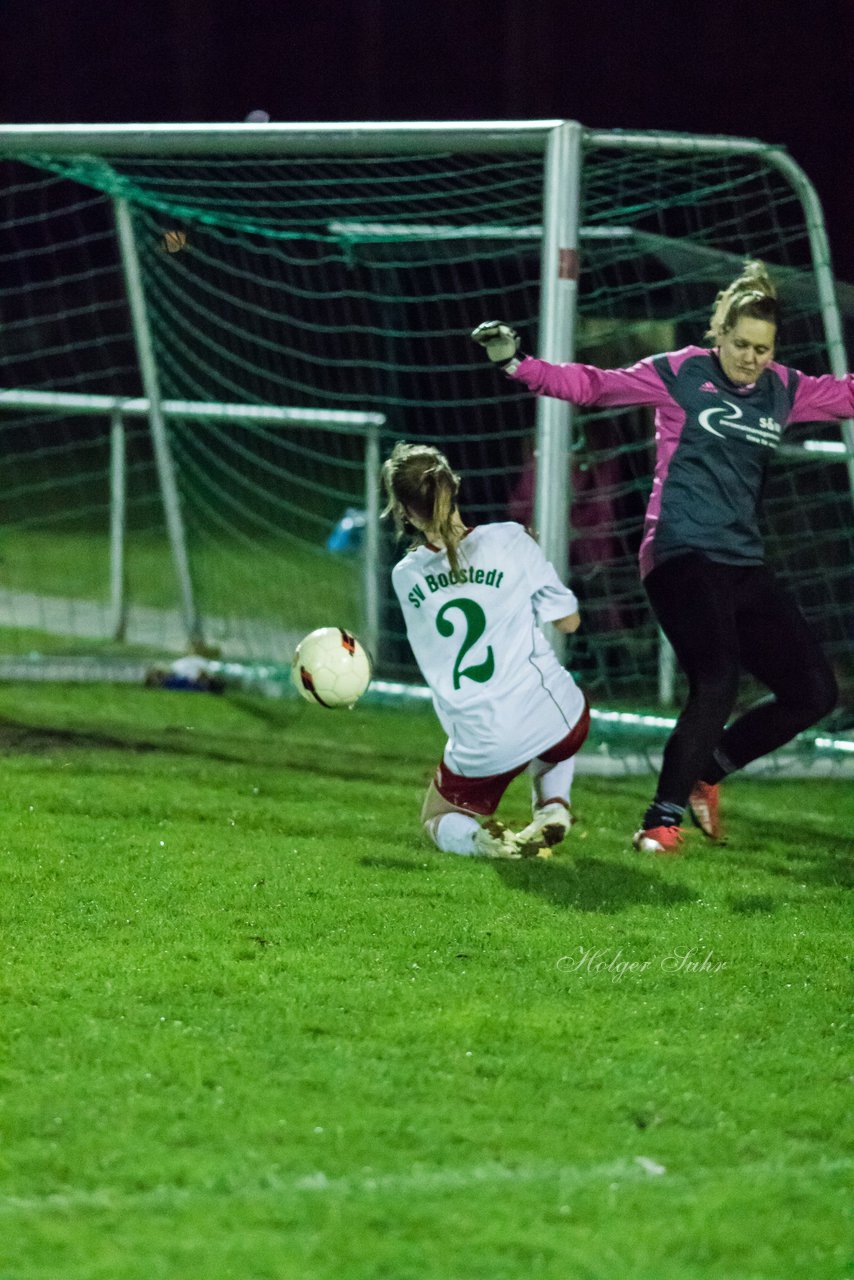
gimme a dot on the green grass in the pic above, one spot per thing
(20, 642)
(255, 1029)
(285, 581)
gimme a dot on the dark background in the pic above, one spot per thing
(781, 72)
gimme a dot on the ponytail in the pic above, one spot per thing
(752, 294)
(418, 478)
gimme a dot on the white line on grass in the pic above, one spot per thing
(419, 1180)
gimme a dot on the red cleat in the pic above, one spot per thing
(664, 840)
(704, 806)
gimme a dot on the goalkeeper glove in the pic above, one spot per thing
(500, 342)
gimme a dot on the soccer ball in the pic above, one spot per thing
(331, 667)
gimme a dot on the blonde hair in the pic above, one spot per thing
(752, 294)
(418, 479)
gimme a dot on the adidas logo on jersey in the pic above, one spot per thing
(708, 386)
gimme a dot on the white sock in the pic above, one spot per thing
(551, 781)
(454, 833)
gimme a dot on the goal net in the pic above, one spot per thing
(208, 350)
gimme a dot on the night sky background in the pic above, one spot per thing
(780, 72)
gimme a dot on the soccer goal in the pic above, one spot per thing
(213, 333)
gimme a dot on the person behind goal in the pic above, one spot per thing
(474, 601)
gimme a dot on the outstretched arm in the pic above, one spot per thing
(581, 384)
(823, 399)
(500, 342)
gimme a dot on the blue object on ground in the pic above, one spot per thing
(348, 532)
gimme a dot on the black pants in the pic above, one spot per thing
(720, 619)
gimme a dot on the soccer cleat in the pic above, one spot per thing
(495, 840)
(550, 825)
(658, 840)
(704, 806)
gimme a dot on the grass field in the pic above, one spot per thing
(274, 579)
(255, 1029)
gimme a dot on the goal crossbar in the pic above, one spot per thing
(533, 192)
(341, 421)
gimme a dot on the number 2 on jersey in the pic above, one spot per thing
(475, 627)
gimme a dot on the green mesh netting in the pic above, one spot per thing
(351, 284)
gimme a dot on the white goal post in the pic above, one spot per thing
(427, 204)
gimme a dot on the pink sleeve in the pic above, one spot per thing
(823, 399)
(584, 384)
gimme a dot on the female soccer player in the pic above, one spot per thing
(473, 601)
(719, 414)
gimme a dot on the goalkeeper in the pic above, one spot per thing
(720, 413)
(473, 601)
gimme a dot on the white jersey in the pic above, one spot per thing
(499, 691)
